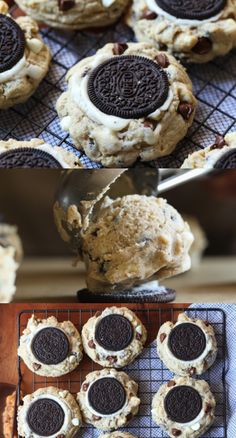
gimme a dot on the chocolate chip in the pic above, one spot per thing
(171, 383)
(96, 418)
(112, 359)
(91, 344)
(129, 417)
(36, 366)
(176, 432)
(138, 336)
(148, 123)
(61, 436)
(186, 110)
(149, 15)
(208, 408)
(98, 313)
(85, 386)
(192, 371)
(162, 337)
(219, 142)
(162, 60)
(66, 5)
(203, 46)
(119, 48)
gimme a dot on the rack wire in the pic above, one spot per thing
(147, 370)
(214, 85)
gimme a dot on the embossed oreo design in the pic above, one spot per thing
(192, 9)
(28, 158)
(107, 396)
(45, 417)
(130, 87)
(114, 332)
(187, 341)
(227, 161)
(183, 404)
(12, 43)
(50, 346)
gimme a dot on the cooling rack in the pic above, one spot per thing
(214, 86)
(147, 370)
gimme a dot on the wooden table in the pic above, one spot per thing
(55, 279)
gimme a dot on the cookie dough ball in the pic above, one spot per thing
(74, 14)
(184, 407)
(50, 412)
(132, 240)
(200, 241)
(108, 399)
(8, 269)
(117, 435)
(193, 31)
(187, 347)
(221, 155)
(9, 237)
(24, 59)
(128, 101)
(35, 153)
(114, 337)
(50, 348)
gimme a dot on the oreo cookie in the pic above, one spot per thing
(192, 9)
(107, 396)
(227, 161)
(162, 295)
(45, 417)
(12, 43)
(50, 346)
(187, 341)
(130, 87)
(183, 404)
(28, 158)
(114, 332)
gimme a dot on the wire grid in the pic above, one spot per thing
(147, 370)
(214, 85)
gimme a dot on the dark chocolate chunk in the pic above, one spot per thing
(28, 158)
(130, 87)
(114, 332)
(219, 142)
(107, 396)
(187, 341)
(119, 48)
(186, 110)
(227, 161)
(45, 417)
(192, 9)
(12, 43)
(183, 404)
(203, 46)
(66, 5)
(50, 346)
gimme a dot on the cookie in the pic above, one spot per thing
(108, 399)
(24, 58)
(161, 294)
(187, 347)
(75, 14)
(50, 348)
(35, 153)
(200, 242)
(8, 270)
(114, 337)
(131, 242)
(129, 101)
(192, 31)
(9, 237)
(117, 435)
(184, 407)
(49, 412)
(220, 153)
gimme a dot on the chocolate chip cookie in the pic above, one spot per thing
(108, 399)
(128, 101)
(24, 58)
(187, 347)
(49, 412)
(114, 337)
(193, 31)
(184, 407)
(49, 347)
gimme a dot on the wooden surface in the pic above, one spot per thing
(8, 330)
(56, 280)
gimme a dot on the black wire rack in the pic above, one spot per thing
(214, 86)
(147, 370)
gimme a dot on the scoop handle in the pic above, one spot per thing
(174, 181)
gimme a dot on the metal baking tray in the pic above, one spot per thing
(148, 370)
